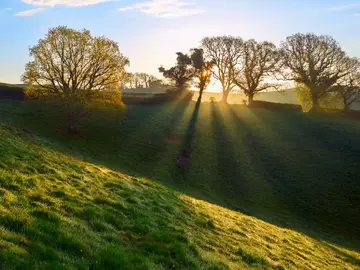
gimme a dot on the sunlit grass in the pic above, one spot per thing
(60, 212)
(64, 206)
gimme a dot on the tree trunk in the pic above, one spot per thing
(73, 123)
(201, 91)
(225, 96)
(315, 104)
(250, 99)
(346, 106)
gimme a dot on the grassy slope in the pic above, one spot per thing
(291, 169)
(58, 212)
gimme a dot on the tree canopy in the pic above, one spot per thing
(181, 74)
(69, 63)
(348, 88)
(225, 52)
(77, 69)
(202, 70)
(258, 62)
(318, 62)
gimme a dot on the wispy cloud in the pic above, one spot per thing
(343, 7)
(42, 4)
(165, 8)
(73, 3)
(29, 12)
(356, 15)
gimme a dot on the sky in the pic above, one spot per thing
(150, 32)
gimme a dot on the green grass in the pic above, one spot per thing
(107, 201)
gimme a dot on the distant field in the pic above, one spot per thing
(145, 91)
(285, 96)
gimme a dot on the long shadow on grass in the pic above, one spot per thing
(317, 202)
(230, 173)
(228, 179)
(346, 257)
(184, 157)
(150, 135)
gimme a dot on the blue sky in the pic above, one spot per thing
(149, 32)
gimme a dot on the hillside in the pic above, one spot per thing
(60, 212)
(13, 85)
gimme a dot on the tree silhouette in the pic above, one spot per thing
(318, 62)
(258, 62)
(225, 52)
(349, 89)
(181, 74)
(202, 70)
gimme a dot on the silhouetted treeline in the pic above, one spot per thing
(317, 65)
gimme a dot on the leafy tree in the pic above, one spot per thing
(181, 74)
(74, 67)
(202, 70)
(318, 62)
(258, 62)
(225, 52)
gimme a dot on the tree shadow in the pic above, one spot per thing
(186, 148)
(230, 170)
(317, 204)
(156, 143)
(247, 167)
(345, 256)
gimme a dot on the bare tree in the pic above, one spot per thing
(138, 80)
(152, 80)
(349, 89)
(318, 62)
(258, 62)
(146, 79)
(126, 81)
(225, 52)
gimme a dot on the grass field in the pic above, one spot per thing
(108, 200)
